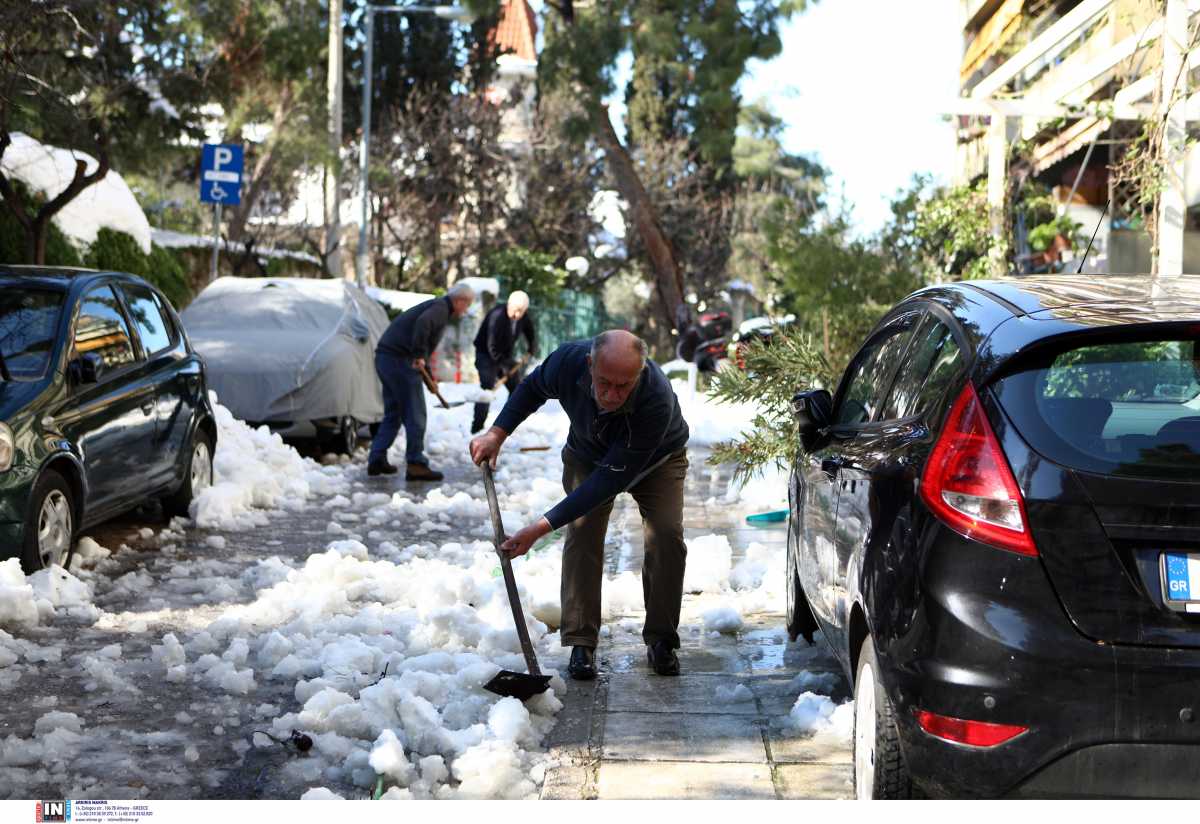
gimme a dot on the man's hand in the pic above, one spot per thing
(519, 544)
(486, 447)
(419, 364)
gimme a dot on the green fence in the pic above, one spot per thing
(577, 315)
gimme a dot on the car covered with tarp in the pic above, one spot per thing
(294, 354)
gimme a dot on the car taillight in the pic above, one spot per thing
(962, 731)
(968, 484)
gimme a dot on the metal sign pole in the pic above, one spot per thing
(212, 272)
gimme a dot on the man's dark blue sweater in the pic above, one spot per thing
(621, 445)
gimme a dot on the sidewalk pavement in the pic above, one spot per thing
(631, 734)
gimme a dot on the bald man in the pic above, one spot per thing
(626, 435)
(495, 347)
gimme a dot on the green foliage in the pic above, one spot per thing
(836, 284)
(527, 270)
(166, 271)
(953, 232)
(119, 252)
(774, 372)
(59, 250)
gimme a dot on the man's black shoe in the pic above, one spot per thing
(662, 658)
(421, 472)
(381, 468)
(583, 664)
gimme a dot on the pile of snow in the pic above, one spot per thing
(107, 203)
(254, 470)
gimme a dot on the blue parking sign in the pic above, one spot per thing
(221, 173)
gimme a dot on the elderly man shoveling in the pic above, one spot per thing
(627, 435)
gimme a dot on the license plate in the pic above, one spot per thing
(1181, 581)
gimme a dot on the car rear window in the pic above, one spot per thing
(28, 330)
(1119, 408)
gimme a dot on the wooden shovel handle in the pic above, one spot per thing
(433, 387)
(510, 581)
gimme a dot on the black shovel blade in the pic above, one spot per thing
(518, 685)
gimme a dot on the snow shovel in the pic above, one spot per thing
(433, 387)
(512, 372)
(512, 684)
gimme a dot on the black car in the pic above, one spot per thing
(103, 407)
(995, 523)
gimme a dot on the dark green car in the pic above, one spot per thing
(103, 406)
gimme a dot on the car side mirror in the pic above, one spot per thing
(88, 368)
(813, 409)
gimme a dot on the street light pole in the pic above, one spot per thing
(364, 155)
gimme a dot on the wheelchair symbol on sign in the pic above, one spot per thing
(217, 193)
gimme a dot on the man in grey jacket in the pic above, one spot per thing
(399, 358)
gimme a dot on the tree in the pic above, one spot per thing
(110, 80)
(769, 179)
(439, 188)
(582, 44)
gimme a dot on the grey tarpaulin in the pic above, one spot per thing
(289, 349)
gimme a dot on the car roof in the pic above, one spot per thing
(53, 277)
(1050, 293)
(1004, 317)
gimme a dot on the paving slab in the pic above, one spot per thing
(664, 781)
(815, 781)
(790, 747)
(698, 694)
(651, 736)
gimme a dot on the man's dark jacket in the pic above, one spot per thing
(416, 333)
(496, 338)
(621, 445)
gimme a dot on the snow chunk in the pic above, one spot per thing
(387, 759)
(727, 694)
(321, 794)
(723, 618)
(708, 562)
(57, 721)
(817, 713)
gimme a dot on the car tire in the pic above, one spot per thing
(197, 476)
(49, 524)
(344, 440)
(879, 768)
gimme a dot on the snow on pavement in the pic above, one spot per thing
(361, 613)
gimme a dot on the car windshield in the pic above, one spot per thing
(1121, 408)
(28, 330)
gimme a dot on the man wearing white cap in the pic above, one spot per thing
(494, 347)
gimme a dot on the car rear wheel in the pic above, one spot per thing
(197, 476)
(49, 524)
(879, 768)
(344, 440)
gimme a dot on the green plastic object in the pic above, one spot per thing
(772, 517)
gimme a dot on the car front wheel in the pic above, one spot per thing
(879, 768)
(49, 524)
(197, 476)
